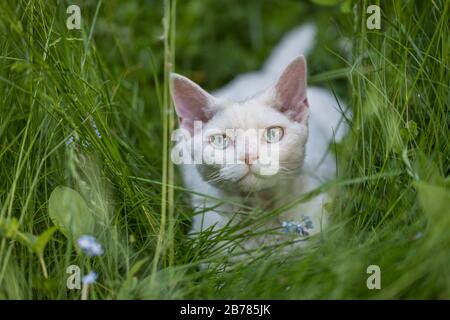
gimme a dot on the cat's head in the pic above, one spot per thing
(250, 145)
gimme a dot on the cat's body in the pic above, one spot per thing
(247, 104)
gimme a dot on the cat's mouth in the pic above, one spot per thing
(249, 174)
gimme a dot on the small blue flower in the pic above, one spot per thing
(94, 125)
(418, 235)
(90, 246)
(308, 223)
(69, 141)
(301, 228)
(90, 278)
(289, 226)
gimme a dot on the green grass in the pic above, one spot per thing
(390, 204)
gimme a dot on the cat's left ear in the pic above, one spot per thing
(290, 91)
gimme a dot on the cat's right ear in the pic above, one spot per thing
(291, 91)
(192, 103)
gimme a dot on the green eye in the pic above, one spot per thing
(219, 141)
(273, 134)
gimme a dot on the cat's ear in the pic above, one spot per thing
(290, 91)
(192, 103)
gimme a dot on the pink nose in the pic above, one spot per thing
(250, 158)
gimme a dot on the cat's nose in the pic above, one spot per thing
(250, 158)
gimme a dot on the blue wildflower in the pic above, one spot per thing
(289, 226)
(90, 246)
(90, 278)
(418, 235)
(308, 222)
(301, 228)
(94, 125)
(69, 140)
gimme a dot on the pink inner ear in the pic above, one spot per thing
(291, 90)
(190, 100)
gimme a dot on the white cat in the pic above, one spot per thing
(254, 116)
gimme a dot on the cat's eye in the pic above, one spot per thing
(219, 141)
(273, 134)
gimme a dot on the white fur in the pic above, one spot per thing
(319, 164)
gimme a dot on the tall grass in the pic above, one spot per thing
(71, 116)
